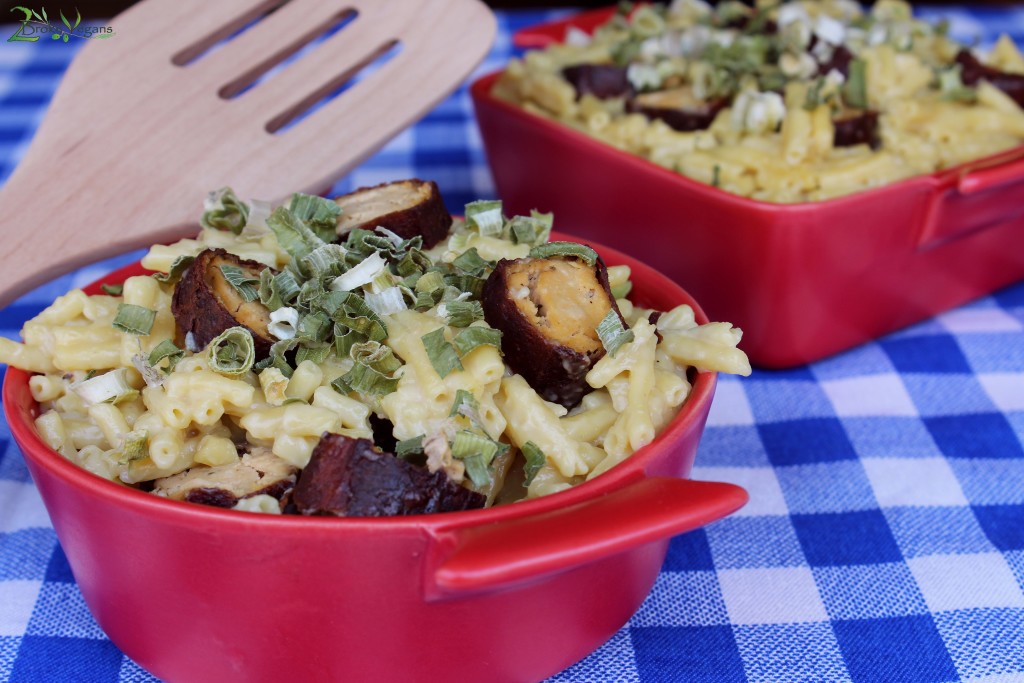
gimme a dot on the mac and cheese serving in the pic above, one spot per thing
(316, 359)
(784, 102)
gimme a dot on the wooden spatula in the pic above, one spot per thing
(144, 124)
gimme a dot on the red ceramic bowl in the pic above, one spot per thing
(803, 281)
(513, 593)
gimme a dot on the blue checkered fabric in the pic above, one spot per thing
(884, 538)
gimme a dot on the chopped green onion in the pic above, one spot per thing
(450, 293)
(372, 373)
(283, 322)
(113, 290)
(477, 452)
(535, 459)
(716, 176)
(534, 229)
(463, 313)
(345, 339)
(465, 404)
(134, 319)
(310, 292)
(320, 214)
(407, 447)
(361, 274)
(110, 387)
(952, 86)
(365, 380)
(622, 290)
(429, 281)
(813, 96)
(471, 262)
(392, 236)
(352, 312)
(441, 353)
(277, 290)
(150, 375)
(386, 302)
(242, 283)
(377, 356)
(166, 349)
(477, 469)
(259, 211)
(314, 327)
(317, 354)
(328, 260)
(466, 283)
(647, 21)
(571, 249)
(427, 300)
(232, 352)
(458, 241)
(277, 358)
(135, 446)
(855, 90)
(478, 335)
(224, 211)
(485, 217)
(613, 333)
(414, 262)
(294, 236)
(178, 268)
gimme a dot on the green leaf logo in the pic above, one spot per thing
(57, 32)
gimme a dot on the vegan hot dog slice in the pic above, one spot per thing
(258, 472)
(348, 477)
(405, 207)
(548, 310)
(679, 108)
(205, 303)
(600, 80)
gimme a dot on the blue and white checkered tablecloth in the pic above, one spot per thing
(884, 539)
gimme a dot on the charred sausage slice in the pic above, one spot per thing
(405, 207)
(856, 127)
(603, 81)
(348, 477)
(679, 108)
(548, 310)
(205, 303)
(972, 71)
(258, 472)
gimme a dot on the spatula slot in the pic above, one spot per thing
(227, 32)
(288, 54)
(334, 87)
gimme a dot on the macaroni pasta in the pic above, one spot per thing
(797, 101)
(133, 402)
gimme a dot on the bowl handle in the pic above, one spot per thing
(496, 555)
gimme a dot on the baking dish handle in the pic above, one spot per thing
(650, 509)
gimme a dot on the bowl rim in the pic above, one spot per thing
(481, 91)
(18, 403)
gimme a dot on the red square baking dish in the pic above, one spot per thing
(803, 280)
